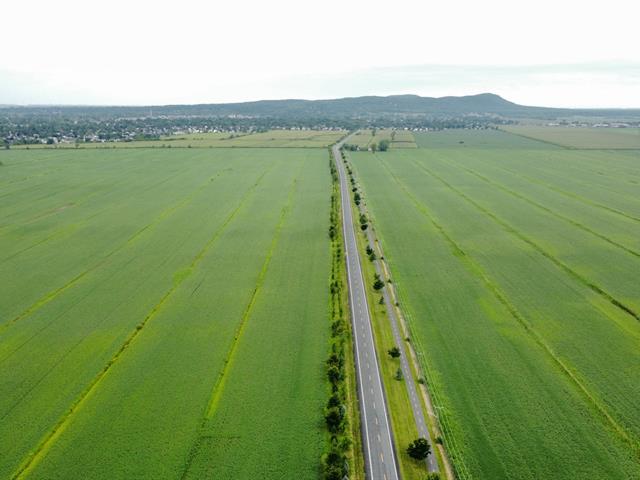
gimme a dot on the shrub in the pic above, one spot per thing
(394, 352)
(419, 449)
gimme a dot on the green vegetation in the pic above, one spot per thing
(164, 313)
(380, 139)
(516, 264)
(419, 449)
(270, 138)
(402, 420)
(342, 457)
(581, 137)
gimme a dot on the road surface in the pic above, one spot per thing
(380, 458)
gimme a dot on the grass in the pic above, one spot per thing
(513, 275)
(581, 137)
(271, 138)
(138, 288)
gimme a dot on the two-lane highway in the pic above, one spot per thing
(380, 459)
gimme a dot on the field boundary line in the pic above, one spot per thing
(132, 238)
(570, 194)
(548, 142)
(503, 299)
(548, 210)
(34, 458)
(218, 387)
(570, 147)
(512, 230)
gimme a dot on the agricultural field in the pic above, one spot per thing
(581, 137)
(517, 262)
(271, 138)
(396, 138)
(163, 313)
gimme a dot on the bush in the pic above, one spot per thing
(394, 352)
(334, 373)
(398, 376)
(334, 417)
(419, 449)
(378, 283)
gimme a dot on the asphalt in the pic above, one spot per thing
(377, 438)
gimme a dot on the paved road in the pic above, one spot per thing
(380, 459)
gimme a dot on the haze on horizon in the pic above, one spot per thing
(548, 53)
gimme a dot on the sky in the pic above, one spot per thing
(138, 52)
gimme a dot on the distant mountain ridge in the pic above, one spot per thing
(349, 107)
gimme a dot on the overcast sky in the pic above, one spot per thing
(544, 52)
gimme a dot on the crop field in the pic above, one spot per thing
(163, 313)
(271, 138)
(517, 265)
(397, 138)
(581, 137)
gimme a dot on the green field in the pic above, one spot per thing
(396, 138)
(581, 137)
(271, 138)
(517, 265)
(163, 313)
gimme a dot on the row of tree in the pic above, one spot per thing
(335, 461)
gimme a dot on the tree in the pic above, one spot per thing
(369, 250)
(419, 449)
(334, 465)
(364, 226)
(373, 147)
(383, 145)
(433, 476)
(399, 375)
(334, 417)
(378, 283)
(394, 352)
(334, 374)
